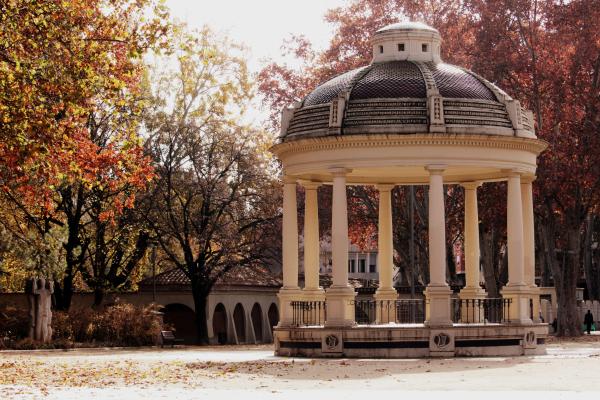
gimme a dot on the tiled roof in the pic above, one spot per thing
(238, 276)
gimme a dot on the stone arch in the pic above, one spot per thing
(219, 323)
(239, 321)
(182, 319)
(273, 315)
(257, 322)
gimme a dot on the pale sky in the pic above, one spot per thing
(262, 25)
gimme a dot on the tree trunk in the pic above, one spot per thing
(544, 260)
(63, 293)
(565, 278)
(487, 260)
(200, 300)
(502, 262)
(98, 298)
(67, 292)
(591, 270)
(450, 265)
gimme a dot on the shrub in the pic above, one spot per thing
(121, 324)
(14, 323)
(127, 325)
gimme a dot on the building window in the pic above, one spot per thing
(424, 47)
(400, 46)
(372, 268)
(352, 266)
(362, 266)
(381, 49)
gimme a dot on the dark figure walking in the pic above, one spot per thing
(588, 321)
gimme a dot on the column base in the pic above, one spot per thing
(313, 294)
(472, 293)
(437, 306)
(340, 306)
(519, 310)
(286, 312)
(385, 305)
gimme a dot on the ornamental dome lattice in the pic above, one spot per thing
(406, 89)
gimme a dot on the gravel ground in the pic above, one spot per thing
(570, 368)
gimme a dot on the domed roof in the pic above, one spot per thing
(408, 25)
(406, 89)
(397, 79)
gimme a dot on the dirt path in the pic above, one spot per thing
(222, 372)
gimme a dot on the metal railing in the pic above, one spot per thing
(410, 311)
(308, 313)
(531, 309)
(480, 311)
(405, 311)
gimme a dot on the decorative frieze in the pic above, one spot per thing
(382, 140)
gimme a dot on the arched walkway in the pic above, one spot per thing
(219, 323)
(240, 323)
(273, 315)
(256, 316)
(182, 319)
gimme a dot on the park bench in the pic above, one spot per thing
(168, 337)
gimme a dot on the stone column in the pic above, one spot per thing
(529, 243)
(339, 297)
(516, 290)
(437, 292)
(290, 290)
(472, 294)
(312, 291)
(385, 294)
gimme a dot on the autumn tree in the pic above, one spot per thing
(551, 61)
(57, 59)
(214, 191)
(71, 75)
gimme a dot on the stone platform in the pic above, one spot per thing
(411, 341)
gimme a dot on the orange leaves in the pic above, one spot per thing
(61, 62)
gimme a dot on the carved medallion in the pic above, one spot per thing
(441, 340)
(530, 338)
(332, 341)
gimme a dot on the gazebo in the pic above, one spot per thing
(407, 118)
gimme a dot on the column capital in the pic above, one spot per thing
(310, 185)
(289, 179)
(528, 178)
(339, 171)
(515, 172)
(471, 185)
(436, 169)
(384, 187)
